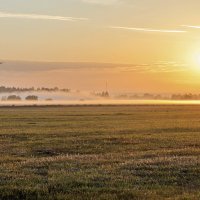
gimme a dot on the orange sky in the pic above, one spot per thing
(160, 40)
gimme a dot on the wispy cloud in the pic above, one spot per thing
(148, 29)
(190, 26)
(38, 16)
(156, 67)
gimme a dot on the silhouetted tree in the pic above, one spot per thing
(13, 98)
(32, 98)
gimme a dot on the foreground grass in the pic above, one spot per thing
(100, 152)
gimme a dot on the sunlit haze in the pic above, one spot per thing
(134, 46)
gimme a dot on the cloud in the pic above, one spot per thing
(148, 29)
(30, 66)
(38, 17)
(190, 26)
(27, 67)
(157, 67)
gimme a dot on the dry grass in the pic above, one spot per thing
(100, 152)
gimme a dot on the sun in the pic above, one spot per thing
(198, 59)
(195, 60)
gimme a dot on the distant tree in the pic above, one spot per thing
(13, 98)
(105, 94)
(4, 89)
(65, 90)
(31, 98)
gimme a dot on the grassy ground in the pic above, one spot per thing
(99, 152)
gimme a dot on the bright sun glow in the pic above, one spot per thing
(195, 58)
(198, 59)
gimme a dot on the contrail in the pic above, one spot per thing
(148, 29)
(38, 17)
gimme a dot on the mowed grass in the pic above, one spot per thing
(100, 152)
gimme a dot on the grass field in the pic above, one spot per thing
(100, 152)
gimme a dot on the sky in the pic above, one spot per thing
(134, 45)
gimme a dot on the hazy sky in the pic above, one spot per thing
(159, 39)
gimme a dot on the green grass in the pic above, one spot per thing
(100, 152)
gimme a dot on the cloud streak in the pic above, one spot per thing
(190, 26)
(38, 17)
(156, 67)
(148, 29)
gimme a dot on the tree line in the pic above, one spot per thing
(4, 89)
(18, 98)
(148, 96)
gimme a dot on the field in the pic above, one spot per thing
(100, 152)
